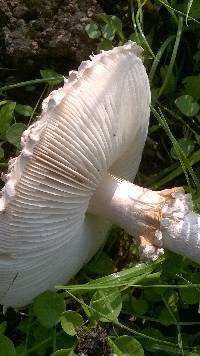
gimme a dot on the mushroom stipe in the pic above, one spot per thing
(70, 181)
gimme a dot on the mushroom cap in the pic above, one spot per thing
(95, 124)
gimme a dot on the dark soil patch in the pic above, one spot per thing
(35, 34)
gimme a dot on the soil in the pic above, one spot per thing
(36, 34)
(93, 342)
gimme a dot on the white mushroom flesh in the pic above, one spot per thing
(97, 123)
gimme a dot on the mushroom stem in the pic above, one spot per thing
(158, 219)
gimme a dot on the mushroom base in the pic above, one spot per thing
(158, 220)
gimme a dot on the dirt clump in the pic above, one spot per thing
(38, 33)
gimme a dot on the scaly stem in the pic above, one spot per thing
(158, 220)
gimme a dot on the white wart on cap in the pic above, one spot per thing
(97, 123)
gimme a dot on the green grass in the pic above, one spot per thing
(115, 304)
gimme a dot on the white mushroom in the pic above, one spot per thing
(60, 192)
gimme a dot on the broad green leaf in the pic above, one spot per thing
(153, 346)
(92, 30)
(135, 275)
(187, 105)
(101, 264)
(3, 327)
(70, 321)
(40, 333)
(133, 37)
(191, 295)
(3, 102)
(126, 345)
(165, 317)
(172, 265)
(192, 86)
(152, 294)
(24, 110)
(48, 308)
(108, 31)
(117, 25)
(64, 352)
(23, 326)
(6, 346)
(105, 45)
(1, 152)
(14, 134)
(172, 299)
(6, 117)
(149, 344)
(21, 350)
(137, 37)
(139, 306)
(51, 73)
(187, 146)
(65, 341)
(117, 351)
(106, 305)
